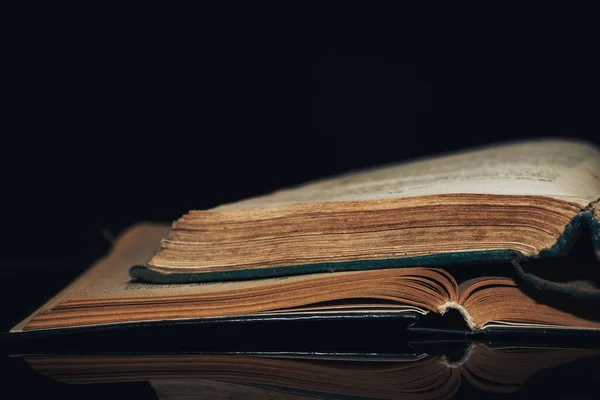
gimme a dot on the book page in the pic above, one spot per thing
(568, 170)
(109, 279)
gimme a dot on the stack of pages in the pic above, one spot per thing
(378, 241)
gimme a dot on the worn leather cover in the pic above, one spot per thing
(311, 334)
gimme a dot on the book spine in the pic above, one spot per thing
(594, 222)
(587, 217)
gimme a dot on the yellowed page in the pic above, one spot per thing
(138, 243)
(568, 170)
(109, 278)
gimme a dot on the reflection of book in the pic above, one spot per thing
(291, 377)
(338, 245)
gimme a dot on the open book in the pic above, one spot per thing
(500, 370)
(515, 201)
(372, 242)
(105, 294)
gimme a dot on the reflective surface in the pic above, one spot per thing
(480, 370)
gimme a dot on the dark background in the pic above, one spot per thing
(142, 111)
(117, 113)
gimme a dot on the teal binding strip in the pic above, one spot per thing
(595, 228)
(146, 274)
(570, 232)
